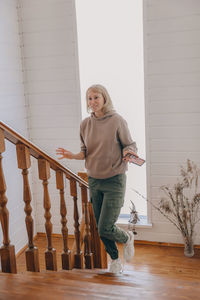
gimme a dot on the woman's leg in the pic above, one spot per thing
(113, 198)
(107, 199)
(107, 239)
(97, 198)
(106, 225)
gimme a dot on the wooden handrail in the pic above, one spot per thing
(70, 259)
(15, 138)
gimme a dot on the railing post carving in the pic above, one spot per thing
(87, 237)
(44, 175)
(66, 255)
(78, 256)
(24, 163)
(7, 251)
(97, 247)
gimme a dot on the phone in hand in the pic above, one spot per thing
(136, 160)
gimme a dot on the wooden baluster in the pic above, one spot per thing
(78, 256)
(97, 246)
(84, 176)
(7, 251)
(87, 237)
(24, 163)
(50, 254)
(66, 255)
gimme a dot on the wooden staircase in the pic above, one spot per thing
(87, 251)
(83, 262)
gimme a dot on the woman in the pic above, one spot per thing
(106, 146)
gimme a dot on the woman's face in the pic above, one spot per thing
(95, 102)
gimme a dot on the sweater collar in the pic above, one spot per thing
(105, 116)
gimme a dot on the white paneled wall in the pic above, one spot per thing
(39, 80)
(13, 113)
(172, 89)
(49, 35)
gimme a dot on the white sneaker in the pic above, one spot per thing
(115, 266)
(129, 247)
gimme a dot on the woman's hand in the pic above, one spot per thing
(64, 153)
(128, 155)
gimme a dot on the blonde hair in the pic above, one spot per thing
(98, 88)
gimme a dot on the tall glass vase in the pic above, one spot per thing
(188, 246)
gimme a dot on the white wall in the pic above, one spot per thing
(172, 89)
(52, 90)
(13, 113)
(52, 96)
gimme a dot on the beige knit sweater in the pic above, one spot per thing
(103, 141)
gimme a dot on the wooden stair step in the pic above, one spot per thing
(94, 284)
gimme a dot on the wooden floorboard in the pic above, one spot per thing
(96, 284)
(156, 272)
(167, 261)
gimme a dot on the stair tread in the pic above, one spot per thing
(92, 284)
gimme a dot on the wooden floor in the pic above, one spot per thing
(155, 273)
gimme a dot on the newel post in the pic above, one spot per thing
(24, 163)
(66, 255)
(44, 175)
(7, 251)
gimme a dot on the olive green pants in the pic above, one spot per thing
(107, 197)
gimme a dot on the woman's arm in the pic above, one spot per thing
(129, 146)
(67, 154)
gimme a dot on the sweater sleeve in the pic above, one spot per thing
(125, 137)
(82, 144)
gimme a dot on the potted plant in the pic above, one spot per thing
(181, 204)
